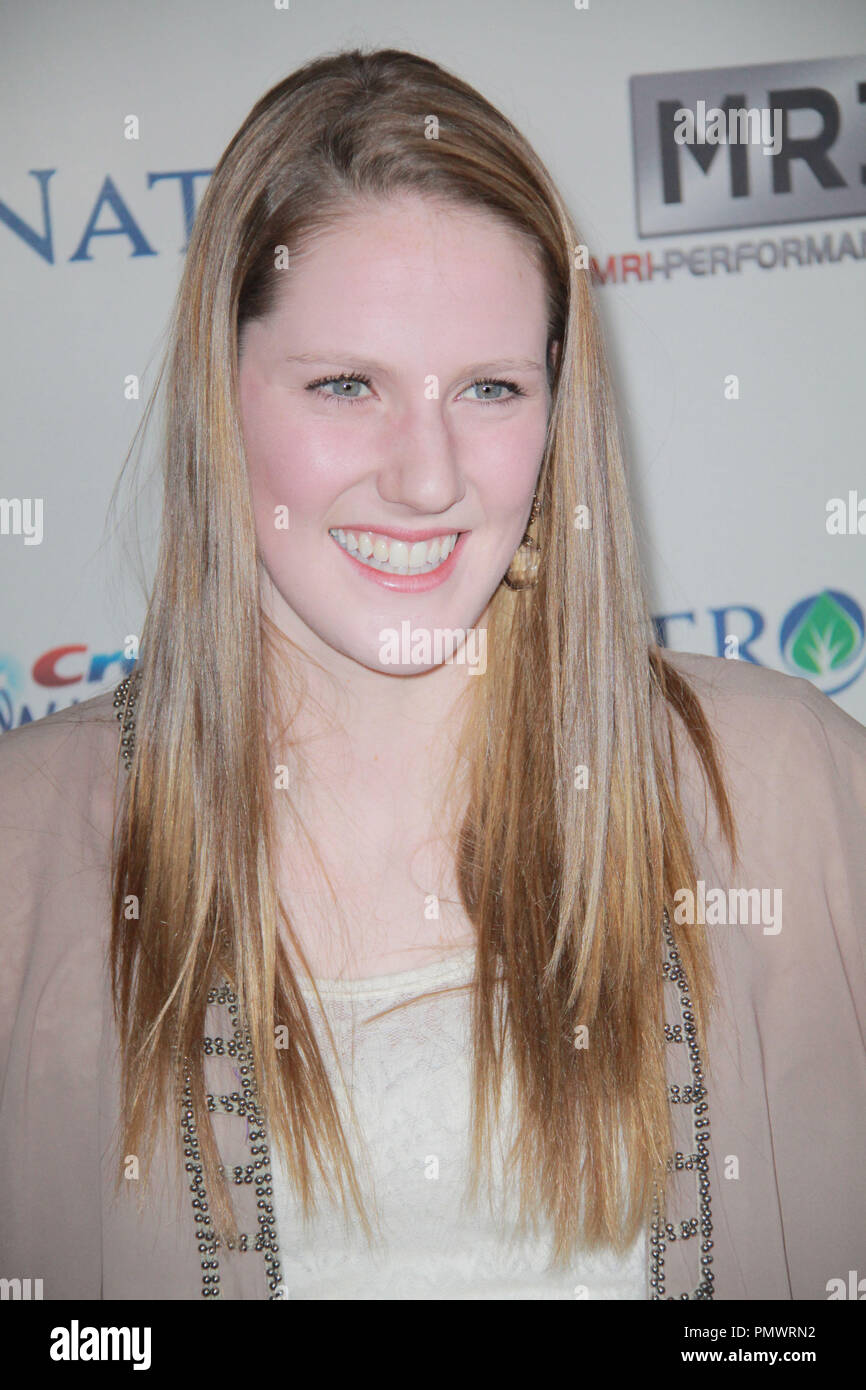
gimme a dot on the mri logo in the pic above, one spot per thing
(813, 170)
(823, 637)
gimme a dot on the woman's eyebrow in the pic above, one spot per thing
(327, 356)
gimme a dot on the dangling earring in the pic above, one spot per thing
(522, 573)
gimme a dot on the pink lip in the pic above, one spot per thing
(407, 583)
(400, 533)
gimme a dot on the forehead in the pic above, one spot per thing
(412, 256)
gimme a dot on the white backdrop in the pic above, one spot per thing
(732, 493)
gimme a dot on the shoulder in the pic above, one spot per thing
(740, 688)
(793, 766)
(58, 782)
(794, 769)
(63, 757)
(773, 726)
(86, 719)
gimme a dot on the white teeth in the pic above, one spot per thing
(417, 555)
(393, 556)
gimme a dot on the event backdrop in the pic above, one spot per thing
(730, 278)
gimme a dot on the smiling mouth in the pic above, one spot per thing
(392, 556)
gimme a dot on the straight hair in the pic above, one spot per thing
(565, 888)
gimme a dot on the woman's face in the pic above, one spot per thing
(359, 486)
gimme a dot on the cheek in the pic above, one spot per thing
(288, 463)
(506, 466)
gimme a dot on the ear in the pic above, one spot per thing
(554, 352)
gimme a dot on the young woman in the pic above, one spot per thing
(421, 930)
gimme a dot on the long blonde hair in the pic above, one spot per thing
(565, 887)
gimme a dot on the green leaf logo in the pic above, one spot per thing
(825, 637)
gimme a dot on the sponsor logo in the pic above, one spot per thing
(57, 669)
(822, 637)
(809, 167)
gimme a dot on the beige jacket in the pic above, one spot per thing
(786, 1080)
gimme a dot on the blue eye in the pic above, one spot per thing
(355, 378)
(498, 385)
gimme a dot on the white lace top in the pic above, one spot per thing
(409, 1078)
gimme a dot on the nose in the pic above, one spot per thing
(421, 468)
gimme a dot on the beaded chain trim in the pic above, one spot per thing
(265, 1242)
(244, 1105)
(694, 1095)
